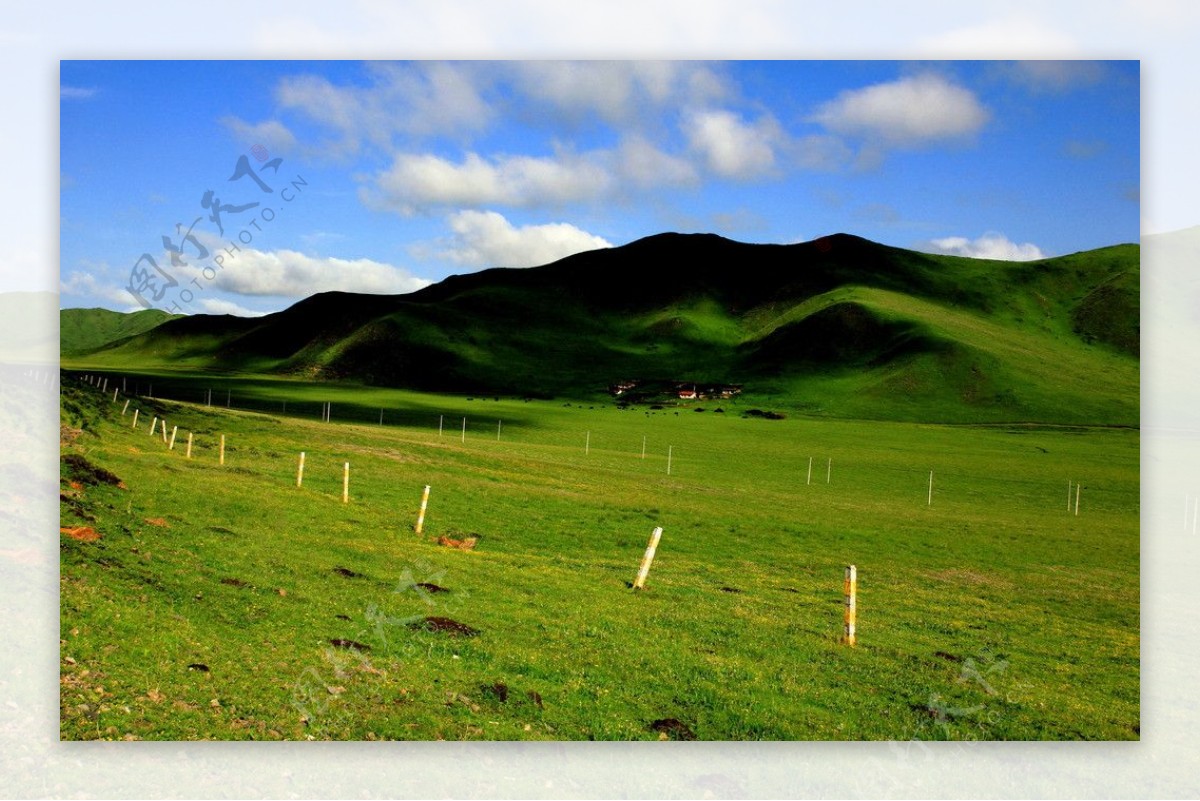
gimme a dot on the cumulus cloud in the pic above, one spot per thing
(488, 239)
(417, 182)
(911, 111)
(271, 134)
(619, 92)
(642, 164)
(288, 273)
(732, 147)
(414, 99)
(85, 284)
(284, 273)
(988, 246)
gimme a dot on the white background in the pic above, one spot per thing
(1161, 33)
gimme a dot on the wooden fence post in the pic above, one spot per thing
(647, 558)
(421, 514)
(850, 589)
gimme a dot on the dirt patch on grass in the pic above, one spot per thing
(467, 544)
(351, 644)
(234, 582)
(161, 522)
(499, 691)
(347, 572)
(85, 472)
(430, 588)
(672, 729)
(444, 625)
(81, 533)
(730, 589)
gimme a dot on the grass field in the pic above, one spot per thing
(211, 603)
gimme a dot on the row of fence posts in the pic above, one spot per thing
(850, 583)
(1073, 488)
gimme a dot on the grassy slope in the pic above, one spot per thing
(850, 328)
(990, 614)
(85, 330)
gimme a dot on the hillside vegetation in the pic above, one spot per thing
(84, 330)
(839, 326)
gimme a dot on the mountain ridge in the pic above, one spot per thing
(839, 322)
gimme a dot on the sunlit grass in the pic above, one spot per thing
(991, 613)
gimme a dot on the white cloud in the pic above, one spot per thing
(1055, 76)
(988, 246)
(284, 273)
(641, 164)
(435, 97)
(222, 306)
(731, 147)
(417, 182)
(247, 272)
(86, 285)
(412, 99)
(271, 134)
(288, 273)
(487, 239)
(907, 112)
(620, 92)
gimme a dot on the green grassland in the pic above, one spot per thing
(209, 605)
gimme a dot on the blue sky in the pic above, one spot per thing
(387, 176)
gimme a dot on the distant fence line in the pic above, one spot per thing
(419, 419)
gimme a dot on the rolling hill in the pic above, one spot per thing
(839, 326)
(84, 330)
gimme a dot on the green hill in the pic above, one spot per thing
(839, 326)
(85, 330)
